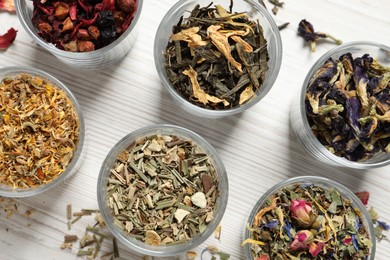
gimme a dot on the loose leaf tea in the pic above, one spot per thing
(306, 30)
(39, 131)
(217, 59)
(82, 25)
(162, 190)
(348, 106)
(308, 222)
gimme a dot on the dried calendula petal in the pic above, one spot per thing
(199, 93)
(152, 238)
(246, 95)
(191, 36)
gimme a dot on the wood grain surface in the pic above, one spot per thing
(257, 147)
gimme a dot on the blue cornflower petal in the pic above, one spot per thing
(383, 225)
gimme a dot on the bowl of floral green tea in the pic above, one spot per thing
(41, 132)
(343, 114)
(162, 190)
(217, 59)
(309, 218)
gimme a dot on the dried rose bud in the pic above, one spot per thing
(363, 196)
(82, 34)
(126, 5)
(93, 32)
(67, 25)
(85, 46)
(62, 10)
(70, 46)
(45, 27)
(301, 211)
(315, 249)
(302, 240)
(263, 257)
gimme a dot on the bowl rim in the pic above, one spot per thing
(163, 250)
(74, 55)
(220, 113)
(339, 50)
(320, 181)
(72, 166)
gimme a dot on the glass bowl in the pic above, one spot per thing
(73, 165)
(96, 59)
(255, 12)
(299, 120)
(308, 181)
(169, 249)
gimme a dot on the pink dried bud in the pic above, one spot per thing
(301, 211)
(263, 257)
(7, 5)
(363, 196)
(93, 32)
(85, 46)
(126, 5)
(347, 240)
(67, 25)
(82, 34)
(315, 249)
(302, 240)
(62, 10)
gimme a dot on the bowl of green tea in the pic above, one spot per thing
(162, 190)
(217, 60)
(309, 218)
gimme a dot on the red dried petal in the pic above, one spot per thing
(7, 5)
(87, 7)
(7, 38)
(73, 11)
(363, 196)
(108, 5)
(129, 19)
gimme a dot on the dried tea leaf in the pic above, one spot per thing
(246, 95)
(199, 93)
(152, 238)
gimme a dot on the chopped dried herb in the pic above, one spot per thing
(348, 107)
(217, 59)
(81, 25)
(306, 30)
(39, 131)
(283, 26)
(157, 190)
(308, 222)
(7, 5)
(7, 39)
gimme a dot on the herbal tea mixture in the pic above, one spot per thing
(348, 106)
(83, 25)
(39, 131)
(163, 190)
(308, 222)
(217, 59)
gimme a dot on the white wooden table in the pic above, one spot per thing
(257, 147)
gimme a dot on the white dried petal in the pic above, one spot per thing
(154, 146)
(209, 217)
(180, 214)
(199, 199)
(129, 226)
(152, 238)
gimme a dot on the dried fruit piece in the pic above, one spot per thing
(152, 238)
(199, 199)
(7, 5)
(7, 38)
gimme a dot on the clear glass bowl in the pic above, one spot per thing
(162, 250)
(255, 12)
(99, 58)
(299, 119)
(324, 183)
(7, 191)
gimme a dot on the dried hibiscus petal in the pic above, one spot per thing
(7, 5)
(7, 38)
